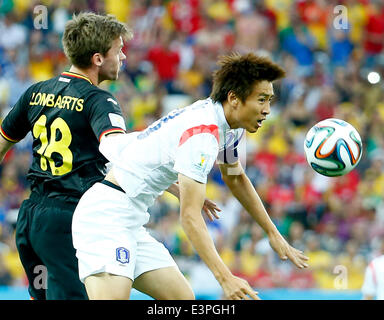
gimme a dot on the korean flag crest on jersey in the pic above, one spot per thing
(122, 255)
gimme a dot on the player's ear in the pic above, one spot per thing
(233, 100)
(98, 59)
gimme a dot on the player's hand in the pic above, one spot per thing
(210, 208)
(285, 251)
(236, 288)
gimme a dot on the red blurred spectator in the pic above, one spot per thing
(374, 29)
(301, 279)
(327, 104)
(280, 193)
(164, 59)
(266, 162)
(345, 187)
(186, 15)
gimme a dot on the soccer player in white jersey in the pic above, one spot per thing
(373, 286)
(115, 251)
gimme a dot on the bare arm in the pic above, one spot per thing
(209, 207)
(5, 145)
(192, 195)
(242, 188)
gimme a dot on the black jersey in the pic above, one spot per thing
(67, 116)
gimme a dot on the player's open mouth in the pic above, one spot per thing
(259, 122)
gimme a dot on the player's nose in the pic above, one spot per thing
(267, 109)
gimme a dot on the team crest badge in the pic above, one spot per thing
(122, 255)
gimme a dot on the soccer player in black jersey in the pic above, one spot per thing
(67, 116)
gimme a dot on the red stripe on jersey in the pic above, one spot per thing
(111, 131)
(212, 129)
(6, 137)
(75, 75)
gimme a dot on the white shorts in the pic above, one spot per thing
(109, 236)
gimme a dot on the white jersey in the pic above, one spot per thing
(187, 141)
(374, 279)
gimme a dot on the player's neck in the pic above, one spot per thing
(90, 73)
(230, 115)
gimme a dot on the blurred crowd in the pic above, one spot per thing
(328, 54)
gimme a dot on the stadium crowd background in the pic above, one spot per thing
(336, 221)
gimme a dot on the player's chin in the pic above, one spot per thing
(114, 76)
(252, 129)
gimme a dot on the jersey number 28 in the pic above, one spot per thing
(61, 146)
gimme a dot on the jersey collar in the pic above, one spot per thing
(219, 110)
(75, 75)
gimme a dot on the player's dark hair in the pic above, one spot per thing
(89, 33)
(239, 73)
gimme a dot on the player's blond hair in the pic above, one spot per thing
(89, 33)
(239, 73)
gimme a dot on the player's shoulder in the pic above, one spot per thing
(96, 94)
(201, 111)
(378, 260)
(38, 86)
(198, 121)
(200, 105)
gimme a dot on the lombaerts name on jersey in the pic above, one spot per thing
(52, 101)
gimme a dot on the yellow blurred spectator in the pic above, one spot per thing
(355, 265)
(191, 79)
(249, 261)
(277, 144)
(378, 185)
(219, 10)
(41, 70)
(321, 263)
(213, 191)
(282, 9)
(12, 261)
(317, 14)
(142, 105)
(119, 8)
(358, 16)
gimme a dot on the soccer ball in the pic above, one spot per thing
(333, 147)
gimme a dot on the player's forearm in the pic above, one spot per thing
(197, 232)
(242, 188)
(4, 147)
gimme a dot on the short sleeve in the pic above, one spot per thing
(369, 287)
(196, 156)
(229, 153)
(105, 114)
(15, 125)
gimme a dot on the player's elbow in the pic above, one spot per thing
(231, 173)
(188, 221)
(232, 180)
